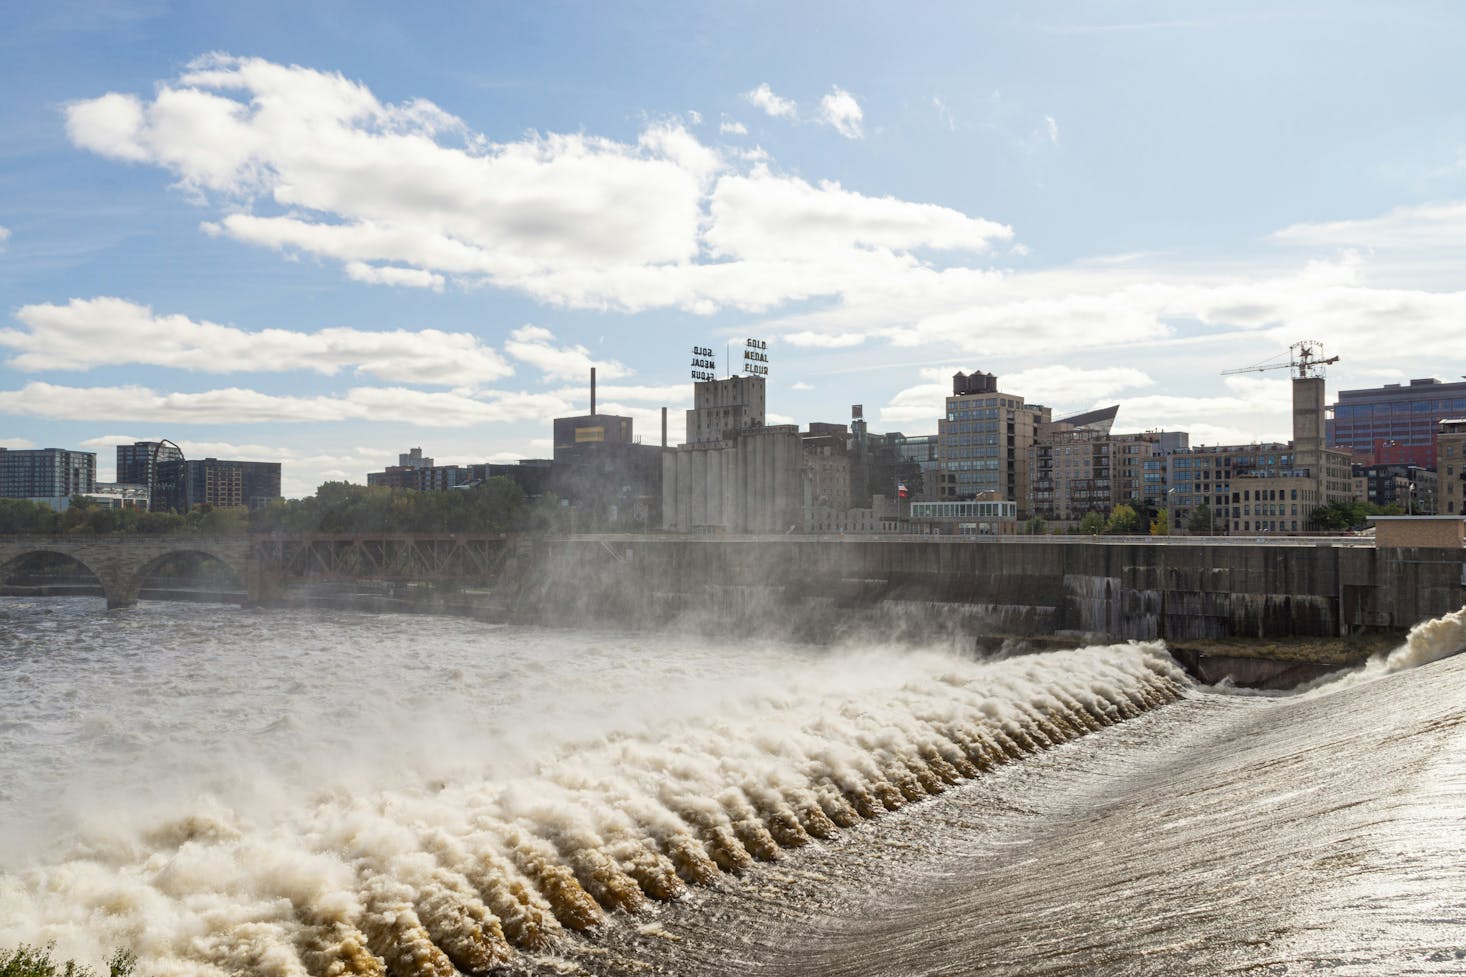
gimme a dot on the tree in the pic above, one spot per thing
(1092, 524)
(1035, 526)
(1201, 520)
(1161, 524)
(1124, 520)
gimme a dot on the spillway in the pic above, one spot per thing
(326, 794)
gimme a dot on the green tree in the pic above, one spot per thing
(1161, 524)
(1092, 524)
(1200, 521)
(1123, 521)
(1035, 526)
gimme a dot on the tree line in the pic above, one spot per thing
(496, 505)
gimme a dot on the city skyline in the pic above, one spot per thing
(327, 237)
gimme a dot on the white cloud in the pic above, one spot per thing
(762, 215)
(87, 333)
(235, 405)
(732, 127)
(1057, 385)
(694, 116)
(4, 236)
(389, 275)
(764, 98)
(17, 444)
(1430, 226)
(1052, 129)
(800, 384)
(823, 340)
(673, 395)
(307, 162)
(535, 346)
(920, 404)
(840, 110)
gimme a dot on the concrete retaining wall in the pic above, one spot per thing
(1006, 586)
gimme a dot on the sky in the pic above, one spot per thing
(327, 233)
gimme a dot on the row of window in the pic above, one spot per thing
(1441, 407)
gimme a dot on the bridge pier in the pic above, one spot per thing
(120, 588)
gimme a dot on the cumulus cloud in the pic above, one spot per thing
(763, 215)
(18, 444)
(536, 346)
(87, 333)
(840, 110)
(4, 236)
(235, 405)
(1052, 129)
(763, 97)
(732, 127)
(308, 162)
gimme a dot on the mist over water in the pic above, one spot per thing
(232, 791)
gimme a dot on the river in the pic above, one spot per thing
(300, 792)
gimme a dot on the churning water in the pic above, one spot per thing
(292, 793)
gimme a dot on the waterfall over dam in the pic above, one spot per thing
(234, 792)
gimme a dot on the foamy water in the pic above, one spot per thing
(235, 792)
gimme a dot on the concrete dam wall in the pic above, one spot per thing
(1009, 586)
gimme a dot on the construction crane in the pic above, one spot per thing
(1305, 356)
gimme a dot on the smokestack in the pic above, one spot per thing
(664, 427)
(592, 391)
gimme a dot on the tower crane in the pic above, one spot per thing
(1305, 356)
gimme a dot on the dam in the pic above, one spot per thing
(1100, 589)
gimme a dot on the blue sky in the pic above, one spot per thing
(326, 233)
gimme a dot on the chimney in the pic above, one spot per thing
(592, 391)
(664, 427)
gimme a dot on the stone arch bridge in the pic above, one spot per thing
(122, 563)
(267, 564)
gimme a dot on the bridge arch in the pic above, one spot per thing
(14, 562)
(121, 563)
(238, 568)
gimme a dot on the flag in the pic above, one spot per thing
(901, 490)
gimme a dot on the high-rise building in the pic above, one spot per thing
(137, 464)
(984, 441)
(1396, 423)
(48, 475)
(216, 482)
